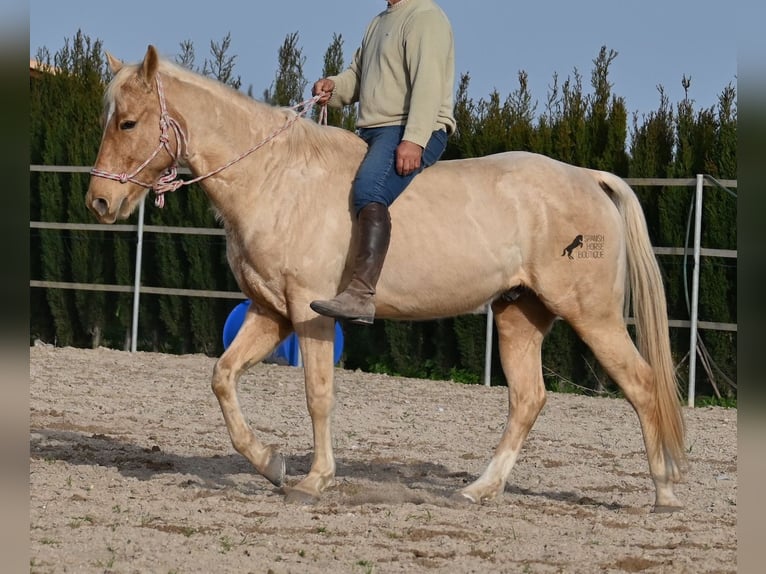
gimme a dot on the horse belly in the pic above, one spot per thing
(426, 303)
(423, 280)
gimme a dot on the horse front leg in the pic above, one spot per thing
(257, 337)
(521, 327)
(316, 337)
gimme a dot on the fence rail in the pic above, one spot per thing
(701, 181)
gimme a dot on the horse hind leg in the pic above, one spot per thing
(521, 328)
(616, 352)
(257, 337)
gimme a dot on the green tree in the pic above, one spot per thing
(221, 65)
(67, 102)
(290, 83)
(333, 64)
(165, 265)
(568, 133)
(460, 145)
(597, 124)
(491, 126)
(186, 57)
(721, 232)
(725, 148)
(405, 343)
(470, 337)
(548, 119)
(200, 259)
(124, 270)
(652, 155)
(519, 112)
(41, 319)
(707, 132)
(607, 120)
(88, 264)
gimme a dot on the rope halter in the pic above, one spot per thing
(169, 181)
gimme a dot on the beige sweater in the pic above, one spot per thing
(404, 72)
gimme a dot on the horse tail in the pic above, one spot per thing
(650, 311)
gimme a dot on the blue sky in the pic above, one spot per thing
(658, 41)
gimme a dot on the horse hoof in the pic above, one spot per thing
(461, 498)
(662, 509)
(297, 496)
(275, 470)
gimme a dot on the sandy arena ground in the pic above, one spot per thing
(132, 470)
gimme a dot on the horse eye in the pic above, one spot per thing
(127, 125)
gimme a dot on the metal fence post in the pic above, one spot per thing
(137, 279)
(695, 289)
(488, 347)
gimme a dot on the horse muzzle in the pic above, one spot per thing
(108, 204)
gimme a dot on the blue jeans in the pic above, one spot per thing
(377, 180)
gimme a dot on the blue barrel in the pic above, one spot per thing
(288, 350)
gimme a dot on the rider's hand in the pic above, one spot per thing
(323, 87)
(408, 156)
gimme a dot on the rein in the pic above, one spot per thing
(169, 181)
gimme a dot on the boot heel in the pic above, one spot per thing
(363, 320)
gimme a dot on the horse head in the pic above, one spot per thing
(136, 149)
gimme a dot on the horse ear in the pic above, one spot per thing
(114, 64)
(150, 64)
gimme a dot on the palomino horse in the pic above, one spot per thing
(465, 233)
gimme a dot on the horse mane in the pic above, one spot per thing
(332, 146)
(305, 139)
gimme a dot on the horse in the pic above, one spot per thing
(466, 233)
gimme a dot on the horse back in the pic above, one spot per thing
(466, 231)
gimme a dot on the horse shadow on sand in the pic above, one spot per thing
(369, 481)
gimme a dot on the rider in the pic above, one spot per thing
(403, 77)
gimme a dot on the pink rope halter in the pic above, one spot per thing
(168, 180)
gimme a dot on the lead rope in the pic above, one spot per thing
(169, 181)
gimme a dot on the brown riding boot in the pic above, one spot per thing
(357, 302)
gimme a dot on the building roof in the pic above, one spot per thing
(36, 69)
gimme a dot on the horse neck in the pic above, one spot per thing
(220, 127)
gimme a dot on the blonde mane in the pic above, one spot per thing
(305, 139)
